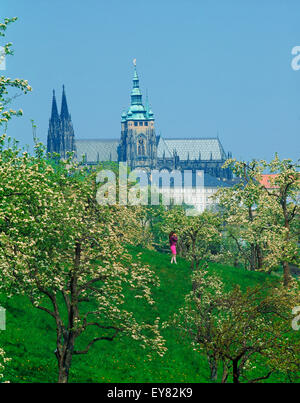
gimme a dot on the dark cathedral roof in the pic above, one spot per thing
(192, 148)
(96, 150)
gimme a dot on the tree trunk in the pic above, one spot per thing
(66, 337)
(286, 274)
(213, 368)
(63, 375)
(253, 258)
(235, 371)
(64, 362)
(225, 374)
(259, 256)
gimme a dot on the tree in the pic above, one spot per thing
(239, 208)
(67, 253)
(5, 116)
(262, 220)
(63, 250)
(248, 333)
(286, 195)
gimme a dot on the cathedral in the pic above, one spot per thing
(139, 145)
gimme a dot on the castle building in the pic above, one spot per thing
(139, 144)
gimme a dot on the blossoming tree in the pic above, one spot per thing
(245, 334)
(7, 113)
(64, 251)
(263, 220)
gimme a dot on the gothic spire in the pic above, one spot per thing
(54, 112)
(64, 114)
(61, 137)
(137, 111)
(136, 95)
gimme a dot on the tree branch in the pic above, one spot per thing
(45, 310)
(261, 377)
(94, 341)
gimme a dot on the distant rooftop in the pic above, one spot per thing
(207, 148)
(192, 148)
(97, 150)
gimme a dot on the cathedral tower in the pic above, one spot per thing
(61, 137)
(138, 139)
(54, 133)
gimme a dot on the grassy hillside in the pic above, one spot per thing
(30, 336)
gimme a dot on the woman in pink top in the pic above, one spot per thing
(173, 241)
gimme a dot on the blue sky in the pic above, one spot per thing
(215, 66)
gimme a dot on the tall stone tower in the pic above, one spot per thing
(54, 132)
(138, 140)
(61, 137)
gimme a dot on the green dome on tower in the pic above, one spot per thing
(137, 110)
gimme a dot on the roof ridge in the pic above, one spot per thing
(190, 138)
(118, 140)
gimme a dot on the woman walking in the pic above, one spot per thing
(173, 241)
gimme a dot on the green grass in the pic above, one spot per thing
(30, 336)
